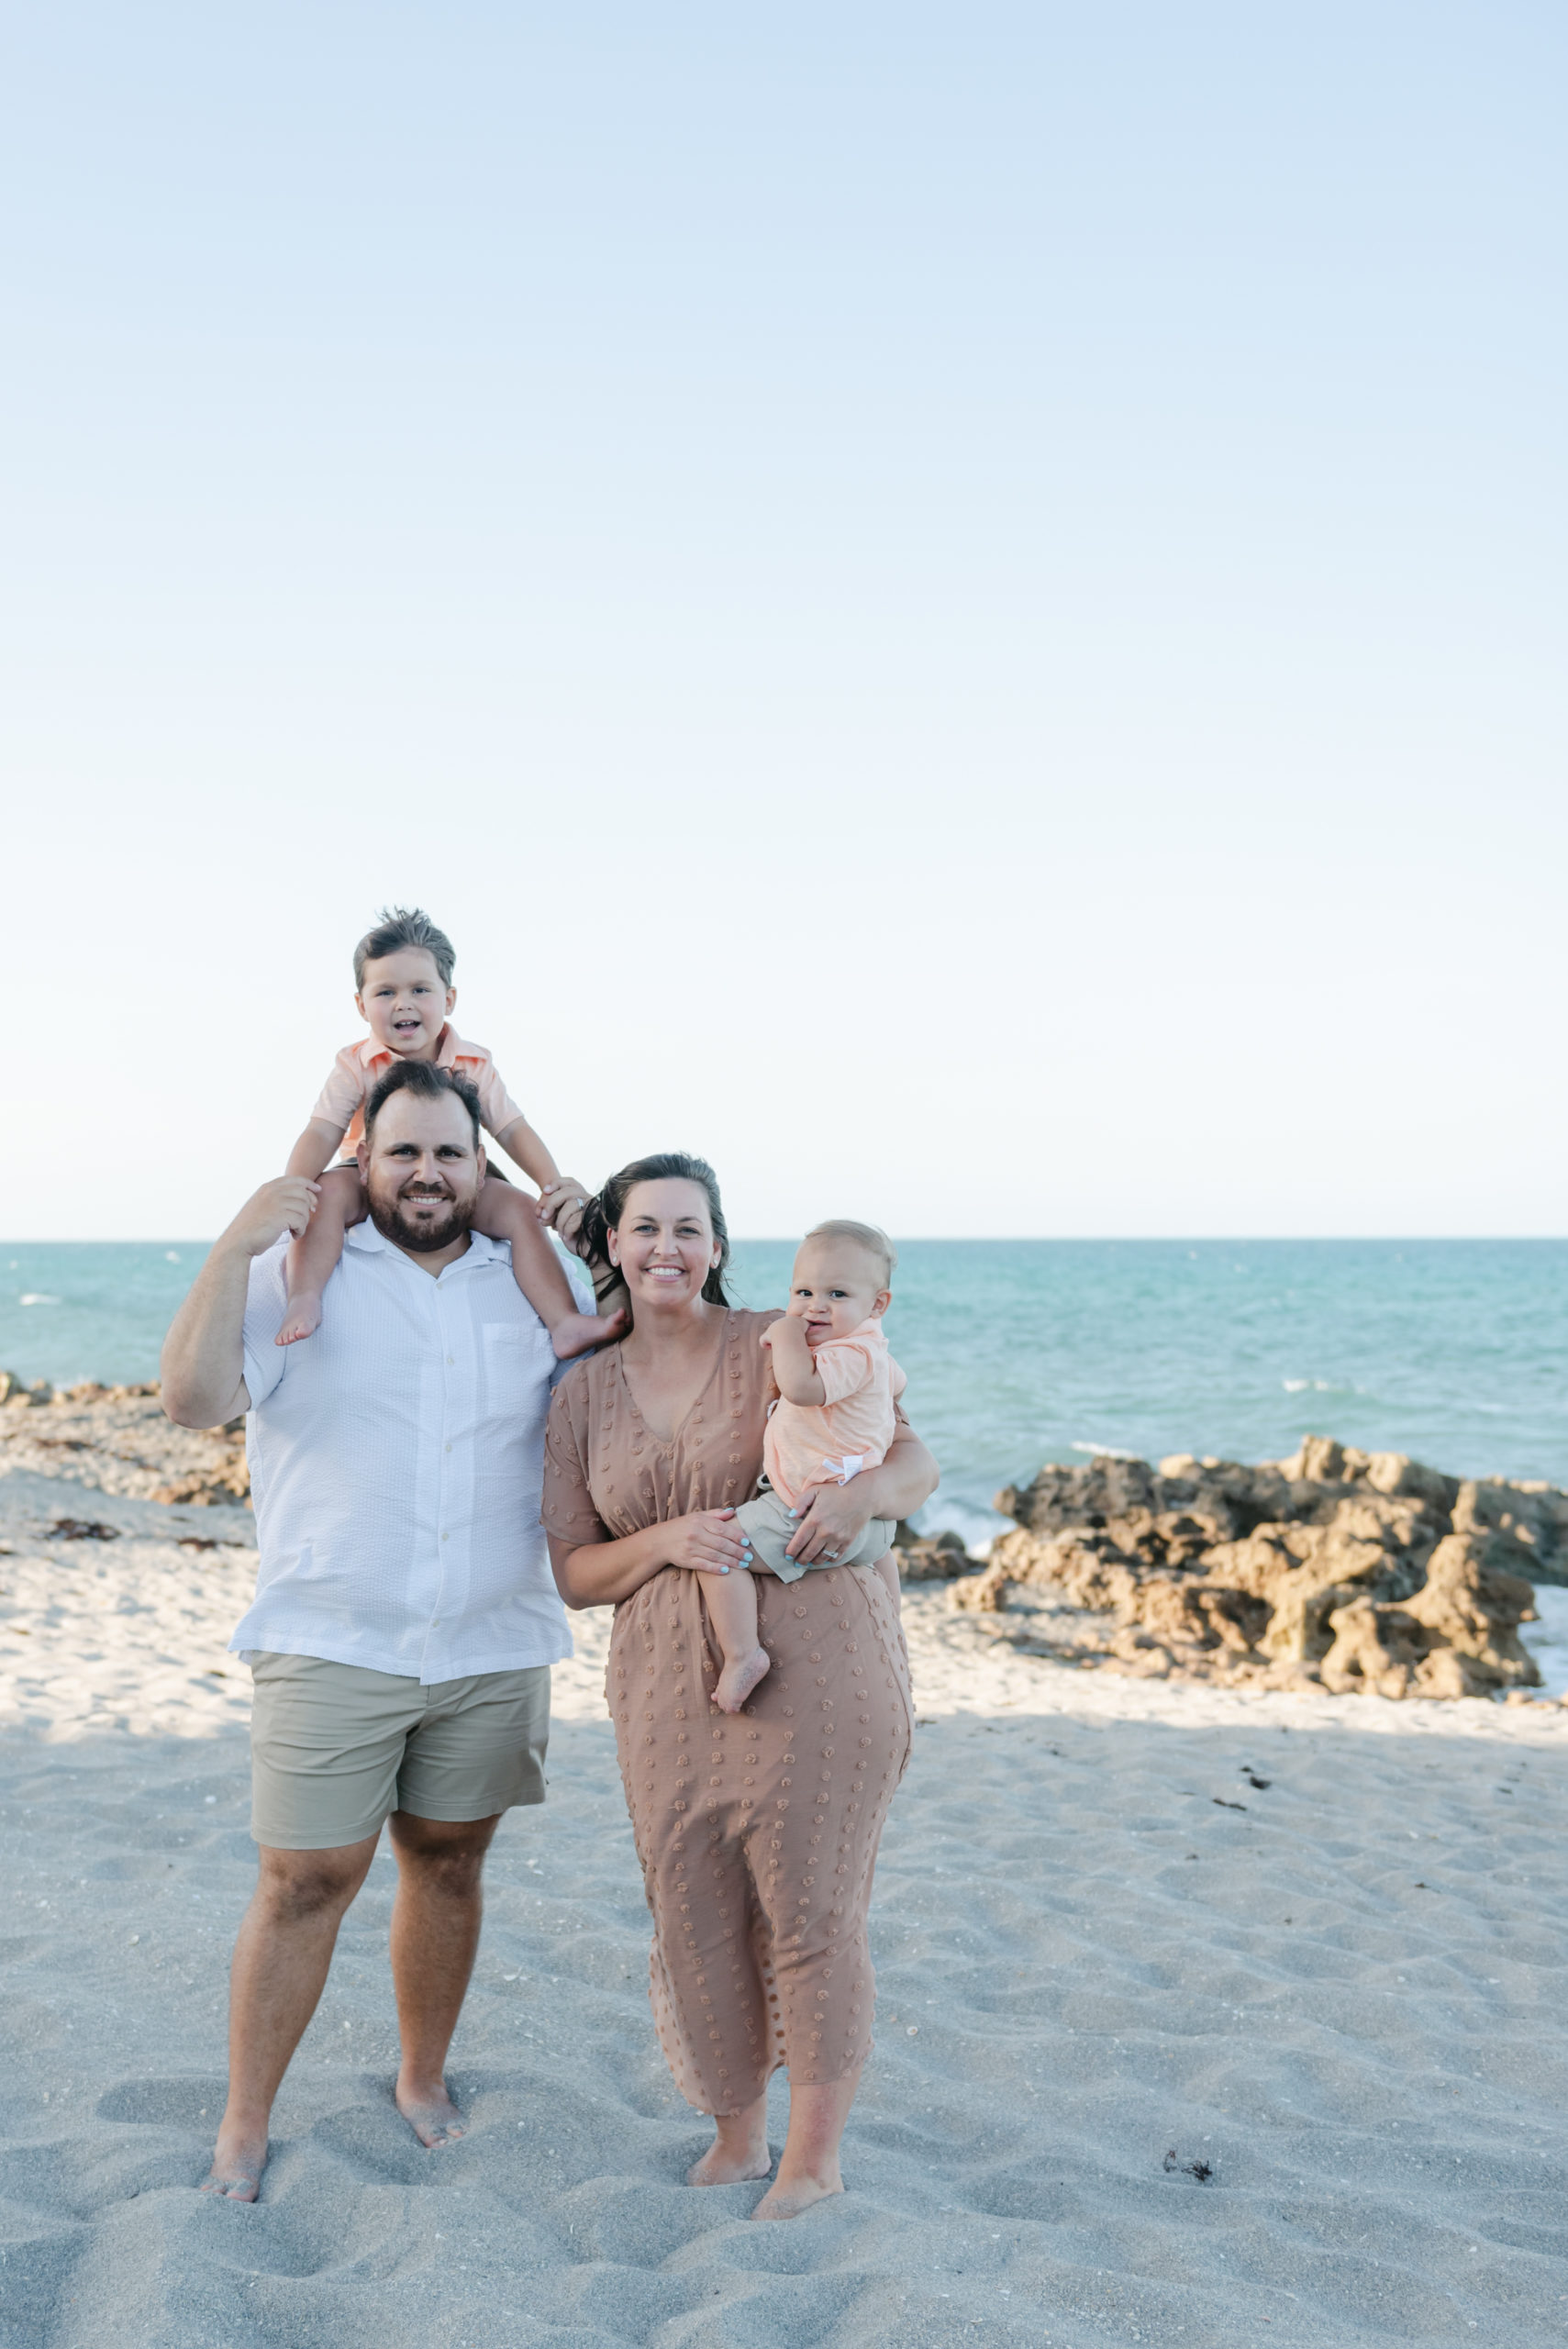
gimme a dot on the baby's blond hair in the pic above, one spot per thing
(865, 1235)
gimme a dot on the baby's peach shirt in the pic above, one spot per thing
(356, 1067)
(807, 1444)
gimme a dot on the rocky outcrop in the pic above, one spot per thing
(1347, 1570)
(226, 1481)
(923, 1557)
(117, 1440)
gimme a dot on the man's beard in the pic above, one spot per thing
(420, 1239)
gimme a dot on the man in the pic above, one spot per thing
(405, 1618)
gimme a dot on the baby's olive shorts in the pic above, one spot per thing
(768, 1521)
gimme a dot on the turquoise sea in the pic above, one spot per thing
(1031, 1350)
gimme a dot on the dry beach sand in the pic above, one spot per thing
(1164, 2053)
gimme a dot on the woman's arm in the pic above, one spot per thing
(601, 1574)
(835, 1515)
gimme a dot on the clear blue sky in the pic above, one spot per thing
(961, 606)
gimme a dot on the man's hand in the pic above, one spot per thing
(285, 1204)
(204, 1361)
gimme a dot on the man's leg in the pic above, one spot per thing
(281, 1958)
(435, 1934)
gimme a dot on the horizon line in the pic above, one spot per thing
(960, 1239)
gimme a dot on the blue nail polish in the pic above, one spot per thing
(795, 1512)
(724, 1570)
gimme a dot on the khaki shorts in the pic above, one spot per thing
(768, 1521)
(335, 1748)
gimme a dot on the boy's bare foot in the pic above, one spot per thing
(302, 1319)
(782, 2201)
(738, 1680)
(431, 2113)
(239, 2158)
(575, 1333)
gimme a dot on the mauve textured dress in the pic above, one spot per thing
(757, 1831)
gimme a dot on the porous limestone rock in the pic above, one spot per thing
(1353, 1570)
(922, 1557)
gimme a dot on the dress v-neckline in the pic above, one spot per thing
(668, 1443)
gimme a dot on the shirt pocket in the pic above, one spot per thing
(518, 1362)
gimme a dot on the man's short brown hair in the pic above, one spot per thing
(425, 1081)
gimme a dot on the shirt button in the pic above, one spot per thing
(452, 1358)
(449, 1447)
(445, 1537)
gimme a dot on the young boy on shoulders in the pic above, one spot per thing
(403, 981)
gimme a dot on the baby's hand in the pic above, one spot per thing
(768, 1334)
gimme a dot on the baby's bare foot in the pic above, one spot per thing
(238, 2160)
(736, 1680)
(782, 2201)
(574, 1333)
(431, 2114)
(302, 1319)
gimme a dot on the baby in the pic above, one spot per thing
(403, 973)
(836, 1385)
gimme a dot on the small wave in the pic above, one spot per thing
(1317, 1386)
(171, 1255)
(1105, 1451)
(33, 1298)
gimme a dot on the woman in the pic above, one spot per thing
(757, 1833)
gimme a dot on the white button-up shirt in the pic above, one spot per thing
(396, 1459)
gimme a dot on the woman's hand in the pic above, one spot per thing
(709, 1541)
(832, 1519)
(561, 1205)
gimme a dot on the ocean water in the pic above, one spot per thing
(1020, 1352)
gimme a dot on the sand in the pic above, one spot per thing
(1110, 1962)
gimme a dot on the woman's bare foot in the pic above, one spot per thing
(302, 1319)
(724, 2165)
(238, 2160)
(575, 1333)
(431, 2113)
(787, 2200)
(738, 1678)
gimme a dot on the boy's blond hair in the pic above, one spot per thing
(868, 1236)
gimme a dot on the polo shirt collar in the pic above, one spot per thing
(449, 1046)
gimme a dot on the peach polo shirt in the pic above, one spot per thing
(827, 1443)
(356, 1067)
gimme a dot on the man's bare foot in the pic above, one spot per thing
(738, 1680)
(238, 2160)
(575, 1333)
(784, 2201)
(722, 2165)
(302, 1319)
(431, 2114)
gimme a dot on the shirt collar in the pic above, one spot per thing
(450, 1050)
(481, 1249)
